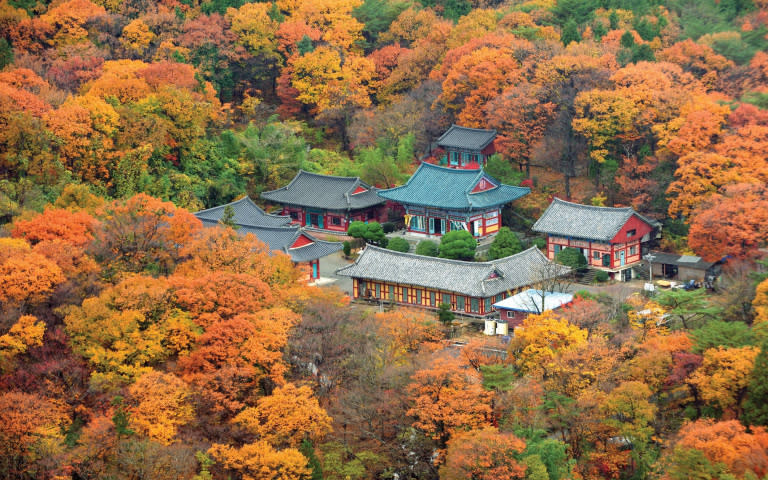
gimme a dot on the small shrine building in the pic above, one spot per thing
(326, 202)
(611, 239)
(466, 147)
(438, 200)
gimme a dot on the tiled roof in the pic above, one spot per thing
(281, 239)
(688, 261)
(246, 213)
(477, 279)
(584, 221)
(530, 301)
(466, 138)
(449, 188)
(325, 192)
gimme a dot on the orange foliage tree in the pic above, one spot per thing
(483, 454)
(31, 430)
(448, 397)
(728, 442)
(28, 278)
(408, 331)
(734, 222)
(73, 228)
(143, 232)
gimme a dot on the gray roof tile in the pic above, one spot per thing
(450, 188)
(282, 237)
(584, 221)
(466, 138)
(467, 278)
(324, 191)
(246, 213)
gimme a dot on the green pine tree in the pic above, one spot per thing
(756, 405)
(570, 32)
(504, 244)
(228, 218)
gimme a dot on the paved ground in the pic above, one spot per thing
(328, 267)
(619, 290)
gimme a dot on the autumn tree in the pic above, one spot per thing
(287, 417)
(128, 329)
(73, 228)
(25, 333)
(259, 460)
(728, 442)
(447, 397)
(540, 338)
(162, 405)
(31, 431)
(730, 223)
(724, 376)
(142, 233)
(28, 278)
(484, 454)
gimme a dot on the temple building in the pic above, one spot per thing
(611, 239)
(470, 288)
(466, 147)
(326, 202)
(245, 212)
(438, 200)
(275, 231)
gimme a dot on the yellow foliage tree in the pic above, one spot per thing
(162, 405)
(540, 338)
(287, 417)
(127, 329)
(136, 37)
(724, 376)
(255, 29)
(26, 332)
(260, 461)
(760, 303)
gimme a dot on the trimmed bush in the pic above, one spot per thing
(601, 276)
(458, 245)
(571, 257)
(399, 245)
(428, 248)
(504, 244)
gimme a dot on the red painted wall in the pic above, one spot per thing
(301, 241)
(640, 227)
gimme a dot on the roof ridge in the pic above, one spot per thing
(338, 177)
(592, 207)
(472, 128)
(266, 227)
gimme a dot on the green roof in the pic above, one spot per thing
(451, 188)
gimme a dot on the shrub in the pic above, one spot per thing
(539, 243)
(445, 314)
(458, 245)
(399, 244)
(504, 244)
(601, 276)
(346, 248)
(571, 257)
(427, 248)
(389, 227)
